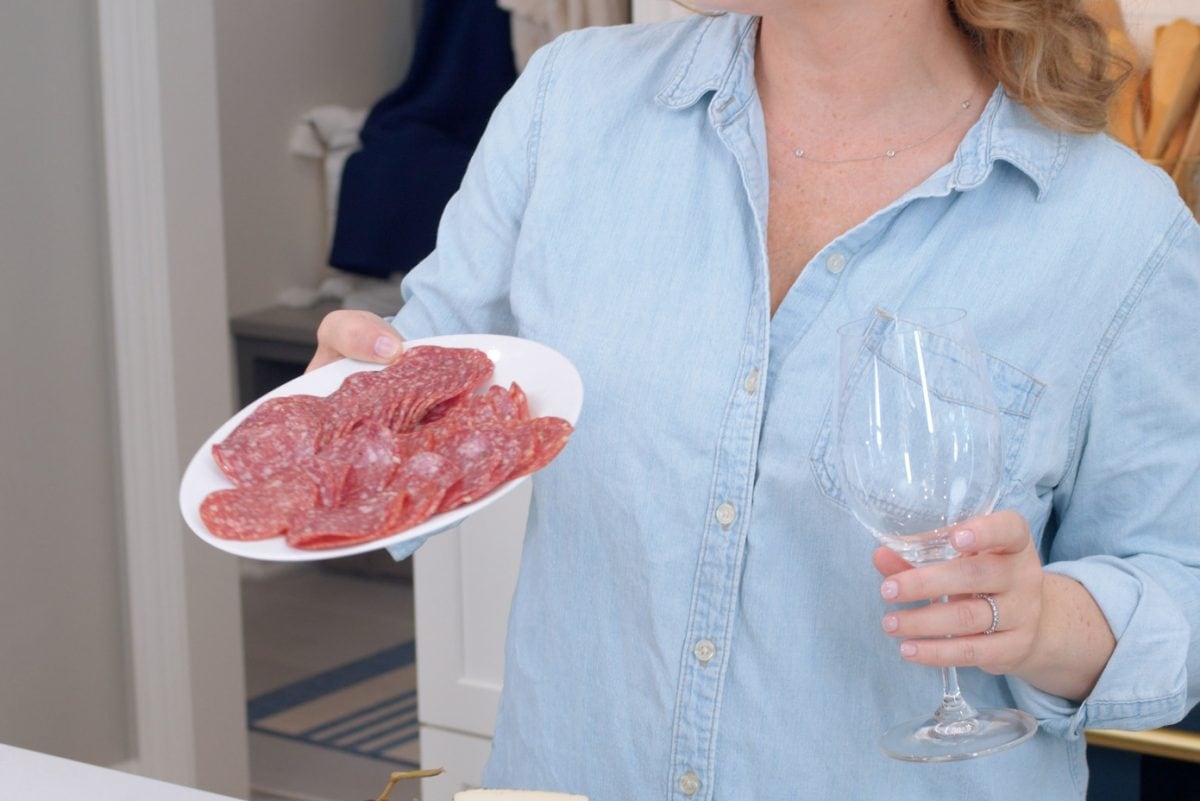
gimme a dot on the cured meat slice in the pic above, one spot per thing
(551, 434)
(259, 511)
(428, 375)
(520, 400)
(425, 476)
(350, 523)
(503, 403)
(361, 397)
(362, 461)
(411, 497)
(445, 408)
(477, 453)
(275, 437)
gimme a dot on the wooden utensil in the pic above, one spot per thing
(1189, 155)
(1174, 81)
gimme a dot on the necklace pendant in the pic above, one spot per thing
(798, 152)
(890, 153)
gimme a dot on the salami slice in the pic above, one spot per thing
(551, 434)
(428, 375)
(410, 497)
(275, 437)
(350, 523)
(259, 511)
(369, 457)
(477, 453)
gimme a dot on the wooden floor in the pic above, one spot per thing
(299, 621)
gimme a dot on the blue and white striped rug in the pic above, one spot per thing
(367, 707)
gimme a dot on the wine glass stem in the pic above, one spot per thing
(954, 713)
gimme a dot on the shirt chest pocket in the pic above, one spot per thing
(1017, 394)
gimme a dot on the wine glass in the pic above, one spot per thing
(919, 446)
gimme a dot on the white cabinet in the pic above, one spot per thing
(463, 584)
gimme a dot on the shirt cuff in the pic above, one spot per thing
(403, 550)
(1144, 684)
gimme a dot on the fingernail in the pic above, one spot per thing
(386, 347)
(890, 623)
(890, 589)
(908, 649)
(964, 539)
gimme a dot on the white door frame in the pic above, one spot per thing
(173, 383)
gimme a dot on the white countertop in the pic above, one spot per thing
(30, 776)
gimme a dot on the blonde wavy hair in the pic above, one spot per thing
(1049, 55)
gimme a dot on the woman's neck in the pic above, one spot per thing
(865, 61)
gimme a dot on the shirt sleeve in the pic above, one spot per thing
(1128, 514)
(463, 286)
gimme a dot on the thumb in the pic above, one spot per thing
(355, 334)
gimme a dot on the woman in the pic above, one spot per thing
(694, 616)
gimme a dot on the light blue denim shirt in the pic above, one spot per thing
(697, 616)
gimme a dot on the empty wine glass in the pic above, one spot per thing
(919, 445)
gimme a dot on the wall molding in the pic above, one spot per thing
(147, 429)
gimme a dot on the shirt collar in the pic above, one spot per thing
(718, 58)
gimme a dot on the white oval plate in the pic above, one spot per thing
(551, 384)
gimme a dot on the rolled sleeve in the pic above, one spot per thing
(1145, 682)
(1128, 510)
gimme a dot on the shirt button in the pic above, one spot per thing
(689, 783)
(834, 262)
(726, 514)
(752, 381)
(705, 651)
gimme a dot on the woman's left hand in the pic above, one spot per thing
(998, 559)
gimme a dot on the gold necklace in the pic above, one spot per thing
(801, 153)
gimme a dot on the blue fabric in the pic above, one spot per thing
(616, 210)
(417, 140)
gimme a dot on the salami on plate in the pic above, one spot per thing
(353, 456)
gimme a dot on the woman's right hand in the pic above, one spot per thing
(355, 334)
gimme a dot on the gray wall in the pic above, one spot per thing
(276, 59)
(62, 643)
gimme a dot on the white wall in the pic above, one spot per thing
(62, 647)
(1142, 16)
(276, 59)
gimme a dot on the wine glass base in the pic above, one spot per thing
(927, 740)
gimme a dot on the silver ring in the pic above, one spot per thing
(995, 612)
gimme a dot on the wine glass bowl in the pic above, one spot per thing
(919, 434)
(919, 445)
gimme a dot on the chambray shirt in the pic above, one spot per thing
(697, 616)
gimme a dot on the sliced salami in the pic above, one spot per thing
(551, 434)
(262, 510)
(275, 437)
(427, 376)
(477, 453)
(384, 452)
(350, 523)
(369, 456)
